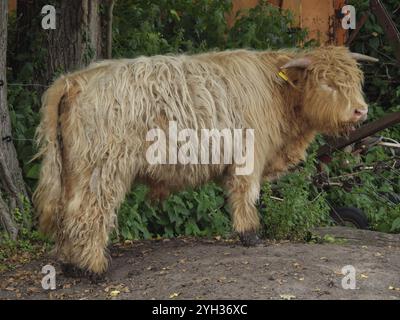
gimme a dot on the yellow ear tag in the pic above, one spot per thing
(283, 76)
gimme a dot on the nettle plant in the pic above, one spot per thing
(200, 212)
(292, 206)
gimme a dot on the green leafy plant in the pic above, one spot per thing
(265, 27)
(199, 212)
(291, 207)
(372, 189)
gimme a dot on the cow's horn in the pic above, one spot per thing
(297, 63)
(363, 57)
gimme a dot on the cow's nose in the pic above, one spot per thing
(360, 114)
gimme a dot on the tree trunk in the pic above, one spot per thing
(77, 39)
(12, 186)
(108, 26)
(82, 35)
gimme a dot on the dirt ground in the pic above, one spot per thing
(188, 268)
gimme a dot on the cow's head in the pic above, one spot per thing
(330, 83)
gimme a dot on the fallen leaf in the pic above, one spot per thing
(115, 293)
(287, 296)
(33, 290)
(394, 288)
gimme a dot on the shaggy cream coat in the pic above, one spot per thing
(94, 124)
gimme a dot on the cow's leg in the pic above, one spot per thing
(243, 192)
(89, 215)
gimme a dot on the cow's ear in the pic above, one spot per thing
(296, 70)
(301, 63)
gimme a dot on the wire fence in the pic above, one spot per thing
(27, 85)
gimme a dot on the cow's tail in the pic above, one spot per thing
(47, 196)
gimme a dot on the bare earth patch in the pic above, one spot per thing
(188, 268)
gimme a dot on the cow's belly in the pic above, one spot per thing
(166, 179)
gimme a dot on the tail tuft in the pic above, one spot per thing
(47, 195)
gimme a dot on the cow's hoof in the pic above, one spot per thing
(72, 271)
(249, 239)
(95, 277)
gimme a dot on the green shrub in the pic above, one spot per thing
(164, 26)
(265, 27)
(383, 78)
(372, 189)
(293, 207)
(199, 212)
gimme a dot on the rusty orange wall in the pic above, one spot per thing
(315, 15)
(340, 33)
(12, 5)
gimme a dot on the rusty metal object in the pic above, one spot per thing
(360, 24)
(339, 34)
(361, 133)
(388, 26)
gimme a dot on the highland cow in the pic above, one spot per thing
(94, 124)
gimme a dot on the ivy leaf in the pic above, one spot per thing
(33, 172)
(395, 225)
